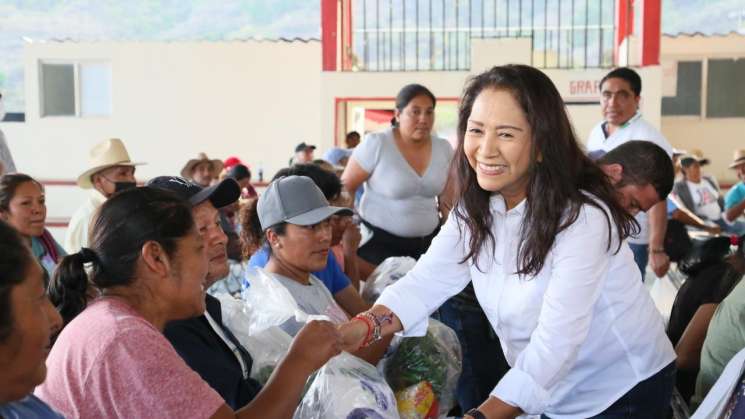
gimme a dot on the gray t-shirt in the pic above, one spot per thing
(313, 298)
(396, 198)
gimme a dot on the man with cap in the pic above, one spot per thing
(622, 121)
(206, 345)
(202, 170)
(303, 154)
(734, 201)
(110, 171)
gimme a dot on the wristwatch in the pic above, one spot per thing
(475, 414)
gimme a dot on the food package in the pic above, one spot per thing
(266, 347)
(388, 272)
(268, 303)
(434, 358)
(348, 388)
(417, 402)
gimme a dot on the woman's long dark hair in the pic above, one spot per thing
(123, 224)
(556, 182)
(252, 235)
(15, 260)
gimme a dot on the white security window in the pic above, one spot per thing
(77, 89)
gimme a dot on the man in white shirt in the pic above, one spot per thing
(620, 96)
(111, 171)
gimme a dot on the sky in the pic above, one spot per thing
(213, 20)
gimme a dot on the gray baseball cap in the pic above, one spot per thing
(295, 200)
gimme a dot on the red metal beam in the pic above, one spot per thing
(624, 25)
(329, 21)
(651, 33)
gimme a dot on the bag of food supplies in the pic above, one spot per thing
(422, 364)
(388, 272)
(266, 347)
(348, 388)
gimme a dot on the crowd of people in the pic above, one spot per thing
(529, 247)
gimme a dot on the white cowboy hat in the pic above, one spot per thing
(739, 158)
(215, 164)
(102, 156)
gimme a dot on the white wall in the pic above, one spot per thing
(253, 99)
(716, 137)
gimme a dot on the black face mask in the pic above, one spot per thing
(123, 186)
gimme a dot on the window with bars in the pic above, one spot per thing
(435, 35)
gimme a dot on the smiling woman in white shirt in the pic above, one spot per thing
(538, 231)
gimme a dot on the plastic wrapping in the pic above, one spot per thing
(388, 272)
(417, 402)
(266, 347)
(434, 359)
(268, 303)
(348, 388)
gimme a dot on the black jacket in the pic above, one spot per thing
(206, 353)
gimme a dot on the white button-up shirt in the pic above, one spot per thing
(578, 335)
(76, 236)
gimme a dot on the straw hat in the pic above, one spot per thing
(216, 165)
(739, 158)
(699, 155)
(102, 156)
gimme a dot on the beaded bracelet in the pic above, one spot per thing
(370, 327)
(374, 328)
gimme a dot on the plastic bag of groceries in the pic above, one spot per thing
(422, 363)
(268, 303)
(266, 347)
(348, 388)
(388, 272)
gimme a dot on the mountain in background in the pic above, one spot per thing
(180, 20)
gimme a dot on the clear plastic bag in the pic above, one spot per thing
(348, 388)
(388, 272)
(434, 359)
(266, 347)
(268, 303)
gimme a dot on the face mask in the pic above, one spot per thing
(123, 186)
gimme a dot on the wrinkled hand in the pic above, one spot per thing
(353, 334)
(660, 263)
(350, 241)
(316, 343)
